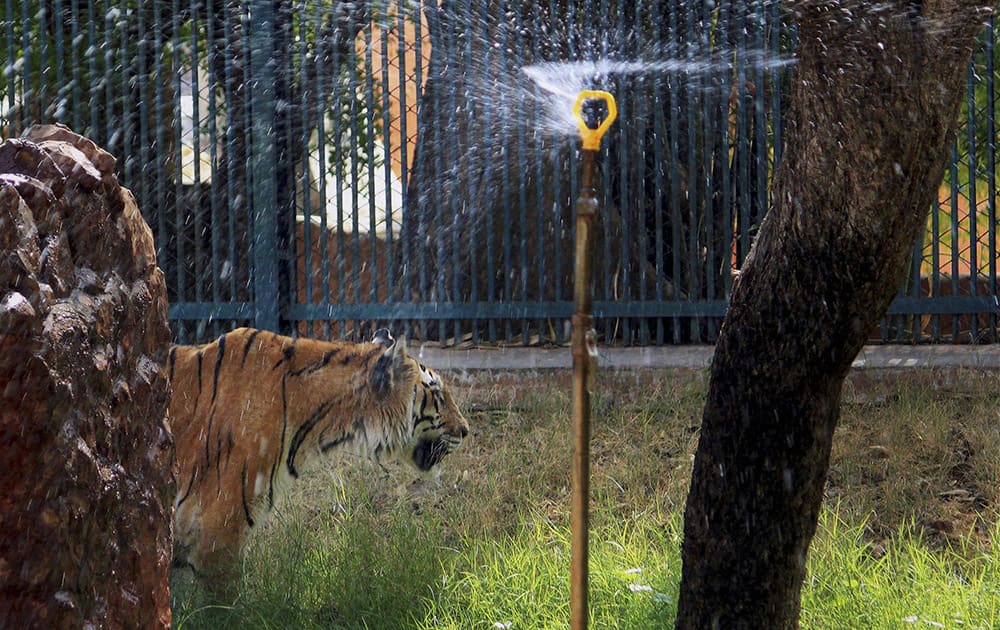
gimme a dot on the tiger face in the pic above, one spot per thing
(438, 425)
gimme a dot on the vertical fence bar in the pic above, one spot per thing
(421, 169)
(707, 145)
(387, 150)
(473, 206)
(673, 81)
(75, 41)
(246, 141)
(8, 67)
(142, 86)
(213, 158)
(179, 218)
(357, 119)
(522, 164)
(30, 96)
(725, 90)
(642, 176)
(914, 290)
(992, 176)
(717, 141)
(742, 139)
(954, 227)
(340, 86)
(626, 202)
(39, 84)
(62, 100)
(763, 158)
(127, 70)
(557, 167)
(581, 49)
(538, 159)
(936, 264)
(505, 178)
(369, 87)
(600, 20)
(110, 111)
(91, 56)
(776, 30)
(475, 193)
(195, 192)
(454, 222)
(973, 176)
(286, 83)
(441, 30)
(659, 137)
(321, 109)
(402, 8)
(306, 281)
(355, 272)
(159, 142)
(231, 165)
(692, 85)
(263, 195)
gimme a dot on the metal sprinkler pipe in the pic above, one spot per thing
(584, 341)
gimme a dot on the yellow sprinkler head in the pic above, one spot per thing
(592, 135)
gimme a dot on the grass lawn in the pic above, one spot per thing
(905, 539)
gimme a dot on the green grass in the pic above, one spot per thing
(522, 581)
(345, 575)
(906, 539)
(352, 567)
(909, 583)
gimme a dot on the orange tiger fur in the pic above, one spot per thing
(253, 409)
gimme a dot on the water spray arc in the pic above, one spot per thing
(593, 122)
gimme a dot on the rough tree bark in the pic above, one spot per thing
(86, 477)
(873, 104)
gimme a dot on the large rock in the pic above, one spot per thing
(86, 478)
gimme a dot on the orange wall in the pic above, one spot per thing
(400, 81)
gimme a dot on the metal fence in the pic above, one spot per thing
(327, 167)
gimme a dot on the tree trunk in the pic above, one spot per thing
(873, 103)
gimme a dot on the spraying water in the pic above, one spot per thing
(496, 181)
(559, 82)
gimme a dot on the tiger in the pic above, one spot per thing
(253, 410)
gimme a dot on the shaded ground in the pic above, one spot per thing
(921, 446)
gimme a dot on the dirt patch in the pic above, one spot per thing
(920, 448)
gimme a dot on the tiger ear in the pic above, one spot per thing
(388, 365)
(384, 337)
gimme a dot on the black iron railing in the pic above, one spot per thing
(327, 167)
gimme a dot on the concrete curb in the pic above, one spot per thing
(694, 357)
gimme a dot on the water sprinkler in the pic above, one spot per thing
(590, 107)
(595, 110)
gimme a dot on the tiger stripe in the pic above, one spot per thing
(247, 346)
(243, 495)
(284, 431)
(302, 432)
(218, 366)
(171, 358)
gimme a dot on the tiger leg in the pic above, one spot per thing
(215, 550)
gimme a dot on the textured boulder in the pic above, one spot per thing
(86, 478)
